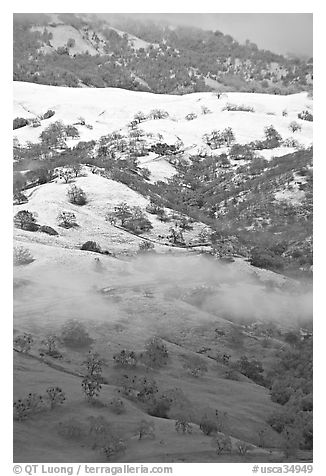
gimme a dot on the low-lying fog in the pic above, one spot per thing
(224, 290)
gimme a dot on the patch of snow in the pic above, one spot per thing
(62, 33)
(160, 168)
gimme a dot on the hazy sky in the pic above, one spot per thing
(278, 32)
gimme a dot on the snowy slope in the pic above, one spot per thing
(102, 196)
(109, 109)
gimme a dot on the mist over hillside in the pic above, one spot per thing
(82, 50)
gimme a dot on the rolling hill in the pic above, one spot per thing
(80, 50)
(200, 296)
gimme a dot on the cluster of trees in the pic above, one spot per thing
(289, 380)
(76, 195)
(232, 200)
(19, 122)
(272, 139)
(131, 218)
(241, 152)
(240, 202)
(306, 116)
(34, 403)
(291, 385)
(55, 135)
(217, 139)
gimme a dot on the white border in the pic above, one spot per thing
(167, 6)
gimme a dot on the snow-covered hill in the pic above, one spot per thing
(110, 109)
(103, 195)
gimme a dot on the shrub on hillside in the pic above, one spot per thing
(191, 116)
(114, 446)
(145, 247)
(67, 219)
(28, 406)
(158, 114)
(235, 107)
(160, 407)
(140, 117)
(91, 246)
(49, 113)
(54, 135)
(305, 116)
(182, 425)
(23, 343)
(121, 212)
(295, 126)
(291, 142)
(55, 396)
(22, 256)
(162, 148)
(35, 122)
(66, 174)
(131, 218)
(222, 357)
(74, 334)
(126, 358)
(176, 237)
(102, 437)
(76, 168)
(138, 223)
(50, 342)
(241, 152)
(92, 381)
(141, 388)
(179, 403)
(217, 139)
(272, 138)
(26, 220)
(72, 132)
(48, 230)
(19, 122)
(76, 195)
(156, 354)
